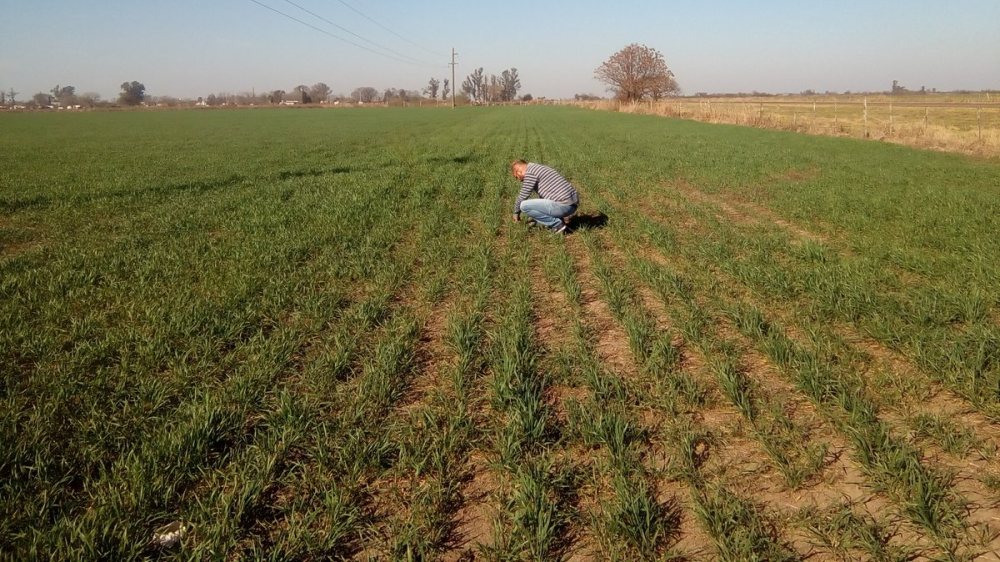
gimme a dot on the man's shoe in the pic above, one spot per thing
(563, 229)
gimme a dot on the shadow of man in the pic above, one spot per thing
(588, 221)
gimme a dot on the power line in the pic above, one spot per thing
(348, 31)
(362, 14)
(325, 32)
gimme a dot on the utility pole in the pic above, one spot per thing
(453, 85)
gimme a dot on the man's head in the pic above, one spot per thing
(517, 167)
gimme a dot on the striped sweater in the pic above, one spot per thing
(548, 183)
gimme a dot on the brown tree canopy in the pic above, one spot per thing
(636, 72)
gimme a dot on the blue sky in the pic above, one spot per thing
(190, 49)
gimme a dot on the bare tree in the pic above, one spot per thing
(469, 88)
(365, 94)
(11, 95)
(445, 89)
(276, 96)
(319, 92)
(432, 88)
(637, 71)
(250, 98)
(400, 94)
(481, 83)
(169, 101)
(89, 99)
(300, 94)
(474, 85)
(66, 95)
(510, 83)
(491, 89)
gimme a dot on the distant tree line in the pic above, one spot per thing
(59, 96)
(480, 88)
(634, 73)
(319, 93)
(134, 93)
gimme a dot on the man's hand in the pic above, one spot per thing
(517, 217)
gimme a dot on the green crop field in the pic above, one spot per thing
(317, 334)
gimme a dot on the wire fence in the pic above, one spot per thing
(972, 128)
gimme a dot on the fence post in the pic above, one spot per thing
(890, 117)
(836, 115)
(926, 111)
(760, 114)
(866, 117)
(979, 122)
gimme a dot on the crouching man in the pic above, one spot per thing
(557, 198)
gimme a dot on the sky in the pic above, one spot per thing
(189, 49)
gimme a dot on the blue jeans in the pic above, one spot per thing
(547, 212)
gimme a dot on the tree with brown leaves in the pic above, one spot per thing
(637, 72)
